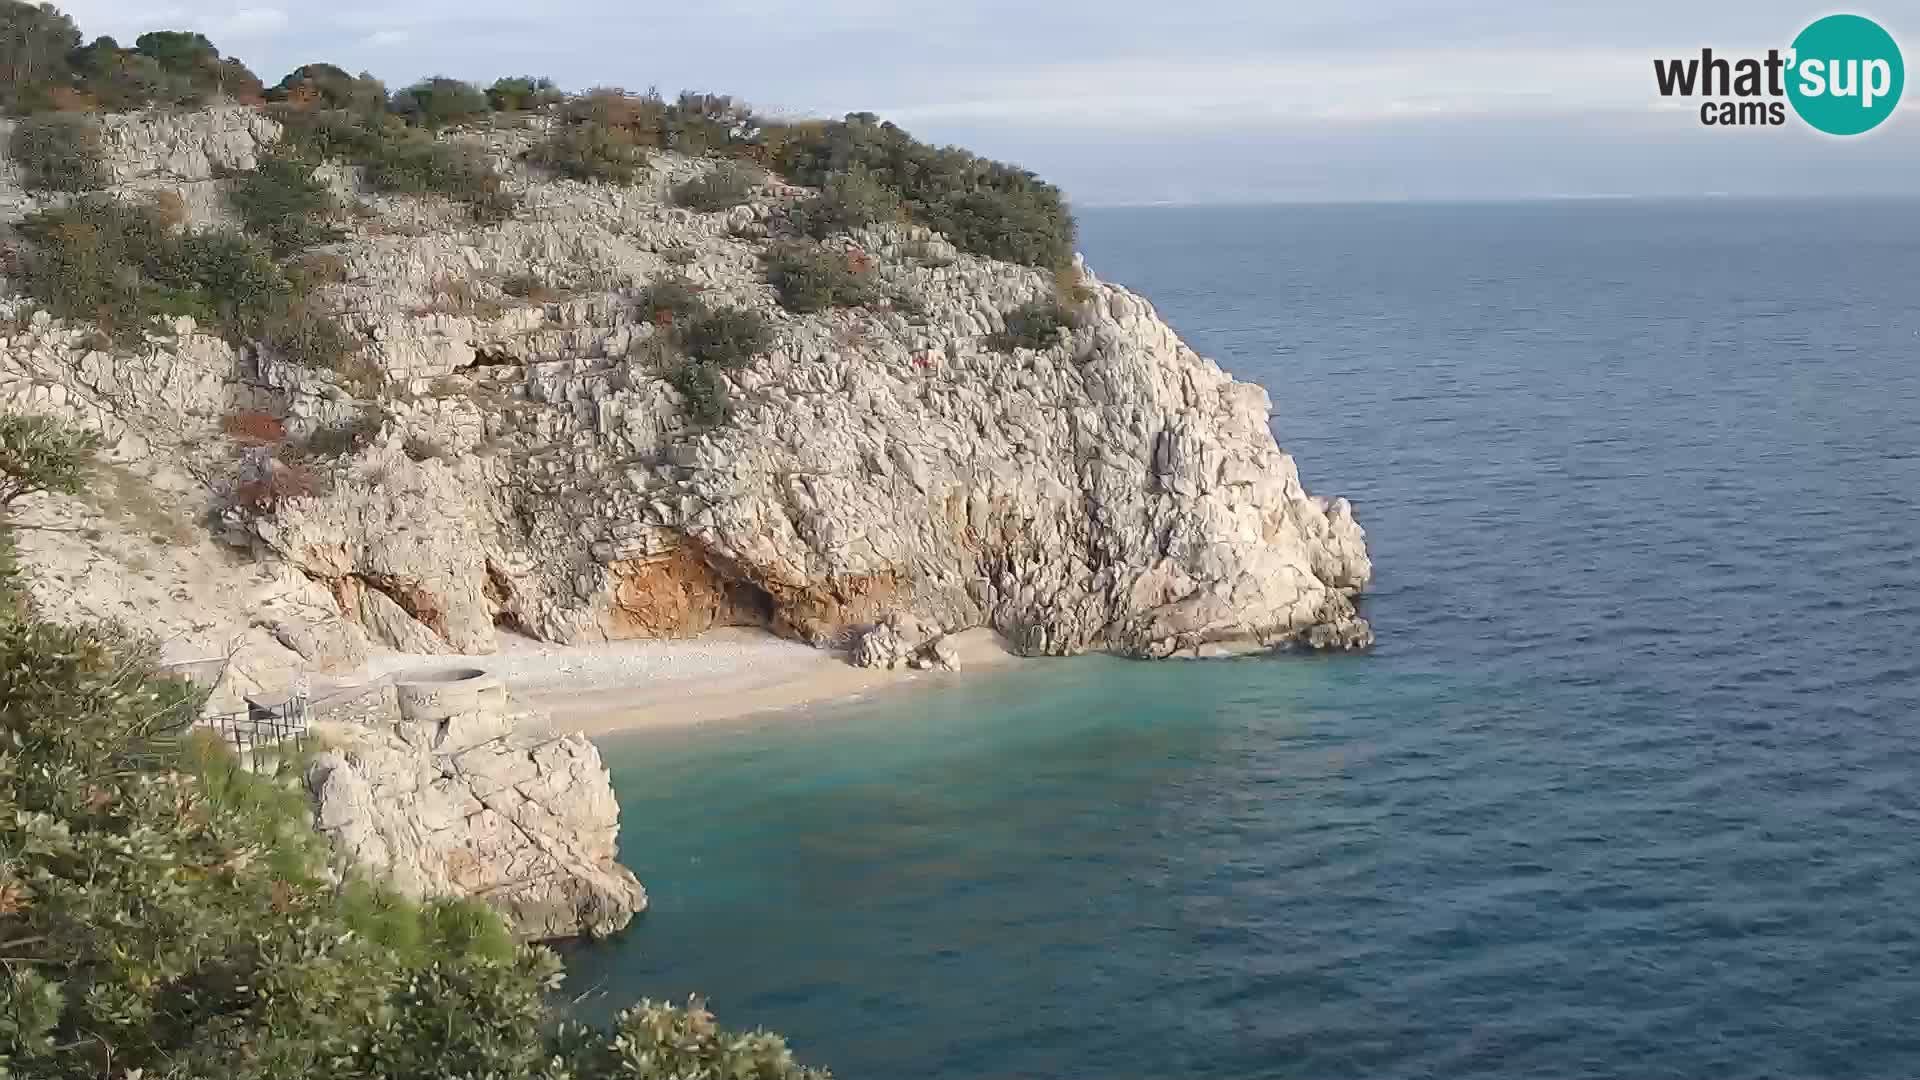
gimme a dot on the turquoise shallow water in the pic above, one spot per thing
(1628, 788)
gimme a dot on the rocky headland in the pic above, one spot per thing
(511, 455)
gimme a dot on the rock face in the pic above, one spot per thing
(903, 642)
(523, 821)
(1114, 492)
(528, 466)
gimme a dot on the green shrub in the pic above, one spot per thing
(723, 187)
(395, 158)
(40, 455)
(197, 66)
(696, 343)
(590, 152)
(414, 164)
(726, 338)
(1038, 324)
(522, 93)
(529, 287)
(323, 134)
(440, 102)
(698, 123)
(281, 202)
(44, 66)
(812, 279)
(231, 277)
(113, 79)
(313, 339)
(985, 207)
(850, 200)
(671, 301)
(34, 42)
(58, 152)
(324, 87)
(705, 391)
(121, 266)
(98, 259)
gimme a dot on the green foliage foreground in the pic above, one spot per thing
(167, 914)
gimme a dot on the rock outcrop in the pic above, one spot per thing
(524, 821)
(528, 465)
(1116, 491)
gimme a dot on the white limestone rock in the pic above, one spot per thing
(523, 821)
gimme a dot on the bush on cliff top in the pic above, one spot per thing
(44, 66)
(166, 913)
(590, 152)
(518, 94)
(985, 207)
(395, 157)
(722, 187)
(324, 87)
(440, 102)
(849, 200)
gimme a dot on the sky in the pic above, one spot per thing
(1147, 101)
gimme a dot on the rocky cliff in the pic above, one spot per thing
(530, 468)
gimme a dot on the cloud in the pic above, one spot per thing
(383, 39)
(1229, 92)
(243, 23)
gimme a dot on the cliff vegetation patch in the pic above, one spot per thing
(810, 278)
(124, 265)
(59, 152)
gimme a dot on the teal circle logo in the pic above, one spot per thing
(1846, 75)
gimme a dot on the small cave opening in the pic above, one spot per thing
(682, 593)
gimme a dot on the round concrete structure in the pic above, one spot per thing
(433, 697)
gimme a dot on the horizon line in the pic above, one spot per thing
(1483, 200)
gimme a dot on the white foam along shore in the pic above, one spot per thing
(635, 685)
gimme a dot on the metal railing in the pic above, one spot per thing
(261, 727)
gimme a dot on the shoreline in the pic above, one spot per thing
(616, 688)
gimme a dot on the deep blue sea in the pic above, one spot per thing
(1630, 787)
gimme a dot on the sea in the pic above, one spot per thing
(1630, 786)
